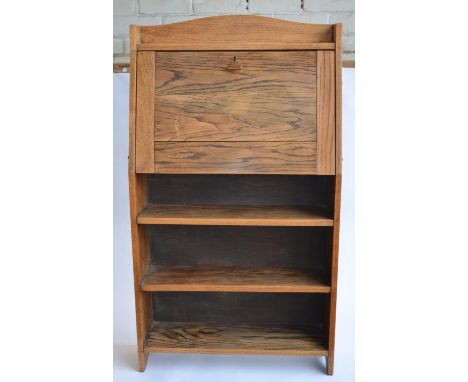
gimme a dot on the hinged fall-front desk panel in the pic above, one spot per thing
(236, 112)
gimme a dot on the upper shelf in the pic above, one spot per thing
(236, 215)
(237, 46)
(228, 30)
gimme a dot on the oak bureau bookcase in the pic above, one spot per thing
(235, 181)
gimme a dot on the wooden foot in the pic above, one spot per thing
(329, 361)
(142, 359)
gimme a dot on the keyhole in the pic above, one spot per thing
(234, 58)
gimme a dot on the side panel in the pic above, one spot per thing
(338, 30)
(138, 197)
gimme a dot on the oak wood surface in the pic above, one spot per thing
(272, 98)
(142, 360)
(246, 45)
(232, 215)
(124, 67)
(138, 196)
(145, 113)
(337, 31)
(219, 338)
(235, 29)
(235, 158)
(234, 279)
(134, 39)
(325, 113)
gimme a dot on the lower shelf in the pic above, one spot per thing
(209, 338)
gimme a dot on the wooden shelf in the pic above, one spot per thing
(238, 46)
(234, 279)
(208, 338)
(232, 215)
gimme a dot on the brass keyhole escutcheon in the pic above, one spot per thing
(234, 65)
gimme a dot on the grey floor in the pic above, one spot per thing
(226, 368)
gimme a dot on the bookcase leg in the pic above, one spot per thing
(329, 361)
(142, 359)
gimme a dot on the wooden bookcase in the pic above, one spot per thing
(235, 181)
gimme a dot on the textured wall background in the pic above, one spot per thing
(155, 12)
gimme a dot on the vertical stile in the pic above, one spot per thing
(145, 112)
(325, 112)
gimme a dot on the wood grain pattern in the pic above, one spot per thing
(134, 39)
(246, 46)
(236, 29)
(141, 259)
(145, 112)
(235, 158)
(206, 338)
(232, 215)
(142, 360)
(272, 98)
(234, 279)
(138, 198)
(325, 113)
(338, 31)
(124, 67)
